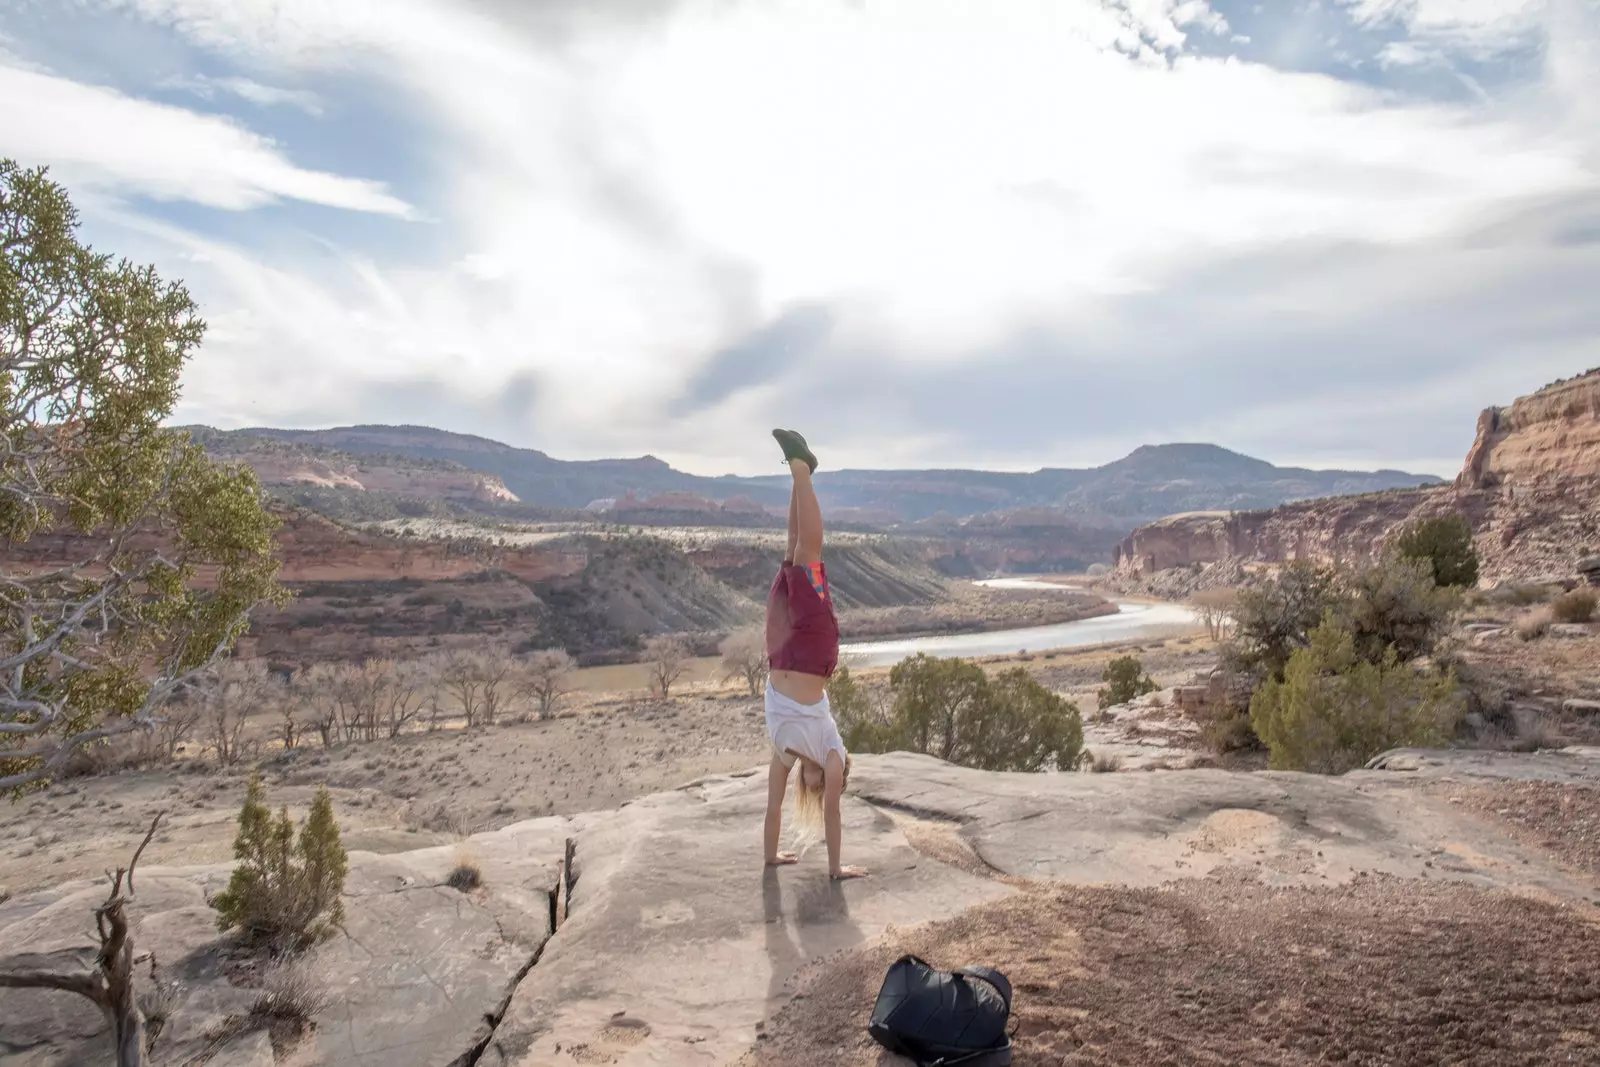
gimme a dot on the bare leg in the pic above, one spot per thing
(794, 524)
(832, 820)
(805, 516)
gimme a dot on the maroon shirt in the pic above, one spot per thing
(802, 630)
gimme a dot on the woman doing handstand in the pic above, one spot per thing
(802, 652)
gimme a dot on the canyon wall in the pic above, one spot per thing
(1551, 436)
(1530, 488)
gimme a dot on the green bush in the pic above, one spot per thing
(1445, 544)
(1274, 618)
(1334, 710)
(1576, 606)
(1396, 604)
(863, 722)
(951, 709)
(283, 892)
(1125, 680)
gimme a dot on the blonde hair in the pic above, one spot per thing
(808, 802)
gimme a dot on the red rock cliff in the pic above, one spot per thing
(1530, 487)
(1552, 435)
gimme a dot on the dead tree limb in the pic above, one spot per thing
(107, 978)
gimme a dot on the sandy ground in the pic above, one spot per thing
(1563, 820)
(1225, 971)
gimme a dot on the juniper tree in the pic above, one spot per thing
(109, 518)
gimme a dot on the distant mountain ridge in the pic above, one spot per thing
(1148, 483)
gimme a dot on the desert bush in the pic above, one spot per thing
(547, 678)
(1535, 624)
(1445, 544)
(284, 893)
(1273, 619)
(1394, 603)
(1125, 680)
(744, 655)
(667, 657)
(1576, 606)
(1532, 732)
(1098, 570)
(465, 877)
(864, 720)
(1102, 764)
(1334, 710)
(951, 709)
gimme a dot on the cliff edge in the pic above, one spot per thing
(1553, 434)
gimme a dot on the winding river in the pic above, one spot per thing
(1133, 622)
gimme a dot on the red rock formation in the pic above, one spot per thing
(1530, 487)
(1553, 434)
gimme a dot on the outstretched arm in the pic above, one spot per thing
(833, 820)
(777, 782)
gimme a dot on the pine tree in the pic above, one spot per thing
(325, 862)
(282, 891)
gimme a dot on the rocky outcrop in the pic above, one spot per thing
(1530, 489)
(1550, 436)
(670, 943)
(420, 974)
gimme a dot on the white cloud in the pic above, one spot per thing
(1479, 28)
(939, 176)
(246, 89)
(97, 137)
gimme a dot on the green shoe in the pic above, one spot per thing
(794, 447)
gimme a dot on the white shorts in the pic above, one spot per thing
(808, 729)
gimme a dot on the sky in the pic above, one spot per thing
(1010, 234)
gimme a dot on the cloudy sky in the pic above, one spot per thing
(1009, 233)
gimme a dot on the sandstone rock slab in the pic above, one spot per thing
(416, 979)
(679, 942)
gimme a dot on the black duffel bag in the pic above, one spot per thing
(940, 1019)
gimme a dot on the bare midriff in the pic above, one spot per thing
(799, 686)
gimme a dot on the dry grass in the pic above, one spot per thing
(1576, 606)
(1109, 763)
(1536, 625)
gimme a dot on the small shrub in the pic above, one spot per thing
(157, 999)
(1445, 544)
(1534, 626)
(1333, 710)
(1576, 606)
(284, 892)
(289, 1003)
(466, 877)
(1106, 764)
(1533, 732)
(1125, 680)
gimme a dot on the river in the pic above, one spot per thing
(1133, 622)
